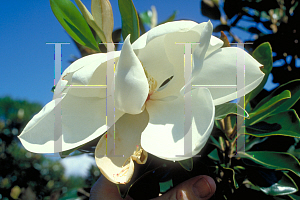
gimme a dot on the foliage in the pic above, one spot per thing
(276, 22)
(26, 175)
(269, 127)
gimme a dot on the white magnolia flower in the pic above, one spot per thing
(149, 118)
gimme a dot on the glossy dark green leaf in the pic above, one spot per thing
(232, 7)
(284, 186)
(285, 123)
(263, 107)
(263, 54)
(294, 87)
(221, 27)
(187, 164)
(273, 160)
(221, 111)
(170, 19)
(267, 109)
(116, 37)
(249, 144)
(210, 9)
(73, 22)
(164, 186)
(214, 155)
(130, 20)
(294, 196)
(142, 27)
(214, 141)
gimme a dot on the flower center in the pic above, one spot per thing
(152, 84)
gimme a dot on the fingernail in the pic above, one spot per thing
(201, 188)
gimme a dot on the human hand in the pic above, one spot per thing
(197, 188)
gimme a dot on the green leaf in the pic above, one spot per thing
(285, 123)
(72, 194)
(146, 17)
(294, 151)
(210, 9)
(214, 155)
(164, 186)
(273, 160)
(215, 142)
(284, 186)
(170, 19)
(187, 164)
(263, 54)
(270, 107)
(130, 20)
(294, 87)
(225, 109)
(252, 142)
(73, 22)
(53, 88)
(66, 154)
(294, 196)
(263, 107)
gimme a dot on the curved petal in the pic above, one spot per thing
(155, 61)
(117, 166)
(164, 135)
(220, 68)
(82, 120)
(66, 77)
(131, 84)
(175, 53)
(170, 27)
(89, 80)
(140, 42)
(200, 51)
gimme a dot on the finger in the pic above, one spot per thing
(106, 190)
(197, 188)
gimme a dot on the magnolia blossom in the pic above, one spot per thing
(149, 98)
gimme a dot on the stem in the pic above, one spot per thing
(228, 127)
(222, 124)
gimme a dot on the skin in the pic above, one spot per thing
(197, 188)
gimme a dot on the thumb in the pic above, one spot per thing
(197, 188)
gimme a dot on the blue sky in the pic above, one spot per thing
(27, 64)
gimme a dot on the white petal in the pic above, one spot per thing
(164, 135)
(170, 27)
(82, 120)
(88, 80)
(131, 85)
(155, 60)
(220, 68)
(200, 51)
(66, 77)
(176, 52)
(127, 136)
(140, 42)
